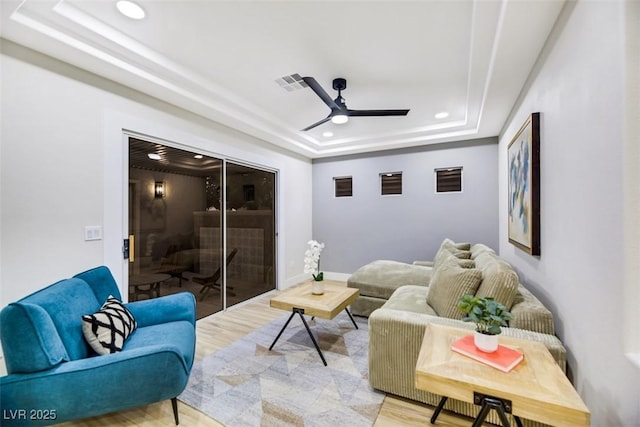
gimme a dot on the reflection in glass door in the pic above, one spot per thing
(250, 231)
(178, 224)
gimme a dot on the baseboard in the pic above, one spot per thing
(292, 281)
(342, 277)
(329, 275)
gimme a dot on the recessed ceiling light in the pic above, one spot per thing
(198, 156)
(442, 115)
(327, 134)
(130, 9)
(154, 156)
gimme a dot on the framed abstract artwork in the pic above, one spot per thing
(523, 154)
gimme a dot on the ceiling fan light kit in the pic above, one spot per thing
(340, 118)
(339, 112)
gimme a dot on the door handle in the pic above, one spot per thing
(132, 248)
(128, 248)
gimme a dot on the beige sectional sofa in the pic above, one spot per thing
(401, 299)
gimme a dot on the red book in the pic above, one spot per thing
(504, 358)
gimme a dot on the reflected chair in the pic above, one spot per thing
(211, 282)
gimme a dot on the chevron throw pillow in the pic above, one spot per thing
(107, 330)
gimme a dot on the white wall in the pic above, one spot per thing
(63, 166)
(578, 87)
(360, 229)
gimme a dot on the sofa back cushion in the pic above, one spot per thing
(448, 243)
(101, 282)
(480, 248)
(449, 283)
(48, 325)
(499, 280)
(456, 249)
(30, 340)
(445, 256)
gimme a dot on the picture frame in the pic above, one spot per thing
(523, 156)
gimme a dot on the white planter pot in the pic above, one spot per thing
(317, 288)
(486, 343)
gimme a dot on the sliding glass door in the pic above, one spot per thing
(250, 230)
(183, 208)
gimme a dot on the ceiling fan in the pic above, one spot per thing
(339, 111)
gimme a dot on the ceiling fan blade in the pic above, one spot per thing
(326, 119)
(315, 86)
(377, 113)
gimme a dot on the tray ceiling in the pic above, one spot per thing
(221, 60)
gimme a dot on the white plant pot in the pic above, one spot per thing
(317, 288)
(486, 343)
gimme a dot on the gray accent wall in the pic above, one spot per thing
(367, 226)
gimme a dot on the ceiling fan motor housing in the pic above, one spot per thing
(339, 84)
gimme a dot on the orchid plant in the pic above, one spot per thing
(312, 260)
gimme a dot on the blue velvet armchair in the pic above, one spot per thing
(55, 376)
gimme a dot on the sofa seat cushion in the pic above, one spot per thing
(412, 299)
(449, 283)
(380, 278)
(178, 335)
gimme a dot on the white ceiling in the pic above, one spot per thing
(221, 59)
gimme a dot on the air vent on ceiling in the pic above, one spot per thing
(291, 82)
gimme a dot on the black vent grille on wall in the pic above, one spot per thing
(449, 180)
(391, 183)
(343, 186)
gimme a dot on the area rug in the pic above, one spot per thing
(245, 384)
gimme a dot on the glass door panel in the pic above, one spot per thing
(250, 227)
(175, 225)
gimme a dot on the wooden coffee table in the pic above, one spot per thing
(535, 389)
(300, 300)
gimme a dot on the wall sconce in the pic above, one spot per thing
(158, 189)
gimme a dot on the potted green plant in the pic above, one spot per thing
(488, 315)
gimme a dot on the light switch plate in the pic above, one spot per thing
(93, 232)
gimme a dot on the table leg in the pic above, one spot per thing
(282, 330)
(311, 335)
(300, 311)
(351, 317)
(484, 411)
(443, 400)
(156, 289)
(501, 406)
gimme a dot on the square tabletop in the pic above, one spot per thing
(537, 387)
(336, 298)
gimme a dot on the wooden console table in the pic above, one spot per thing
(536, 389)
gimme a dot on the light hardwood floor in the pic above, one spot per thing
(221, 329)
